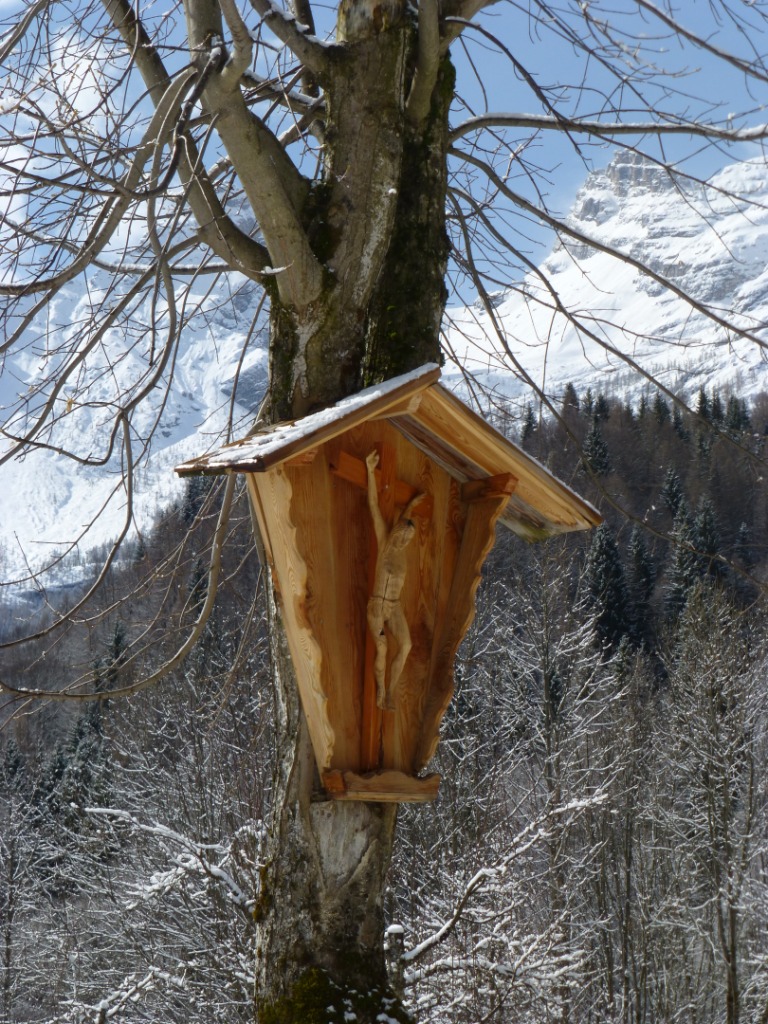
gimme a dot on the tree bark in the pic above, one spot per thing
(320, 913)
(378, 224)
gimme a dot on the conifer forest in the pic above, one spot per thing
(599, 850)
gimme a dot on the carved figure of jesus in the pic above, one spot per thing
(384, 607)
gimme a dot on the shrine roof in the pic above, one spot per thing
(438, 423)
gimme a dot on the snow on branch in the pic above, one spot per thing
(297, 37)
(210, 860)
(529, 837)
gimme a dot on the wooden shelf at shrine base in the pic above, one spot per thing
(382, 787)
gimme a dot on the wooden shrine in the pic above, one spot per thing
(373, 625)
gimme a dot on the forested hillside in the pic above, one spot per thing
(598, 851)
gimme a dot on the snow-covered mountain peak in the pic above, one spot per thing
(628, 175)
(634, 244)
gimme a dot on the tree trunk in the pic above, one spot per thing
(320, 913)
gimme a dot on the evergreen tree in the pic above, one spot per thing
(704, 449)
(716, 408)
(86, 779)
(602, 408)
(706, 538)
(683, 572)
(570, 403)
(702, 406)
(13, 774)
(46, 794)
(595, 451)
(196, 490)
(737, 418)
(529, 425)
(588, 406)
(198, 585)
(672, 493)
(678, 424)
(607, 589)
(140, 551)
(641, 578)
(116, 653)
(660, 408)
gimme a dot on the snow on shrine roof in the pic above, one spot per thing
(438, 423)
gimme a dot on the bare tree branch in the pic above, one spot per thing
(216, 228)
(427, 62)
(456, 15)
(18, 32)
(564, 228)
(214, 569)
(608, 130)
(111, 216)
(751, 68)
(298, 37)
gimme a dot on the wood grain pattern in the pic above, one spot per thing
(500, 486)
(275, 494)
(382, 787)
(312, 510)
(477, 540)
(448, 418)
(251, 482)
(353, 470)
(331, 546)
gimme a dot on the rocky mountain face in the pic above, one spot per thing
(633, 231)
(709, 241)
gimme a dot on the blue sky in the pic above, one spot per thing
(708, 86)
(705, 87)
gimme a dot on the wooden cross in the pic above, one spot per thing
(392, 493)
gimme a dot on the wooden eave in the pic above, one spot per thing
(437, 423)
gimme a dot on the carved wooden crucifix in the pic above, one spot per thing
(385, 493)
(385, 611)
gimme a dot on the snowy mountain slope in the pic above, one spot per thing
(47, 502)
(701, 240)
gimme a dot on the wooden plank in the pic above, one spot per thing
(334, 546)
(381, 787)
(251, 482)
(477, 540)
(469, 448)
(353, 470)
(283, 441)
(304, 459)
(291, 570)
(519, 517)
(406, 408)
(500, 486)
